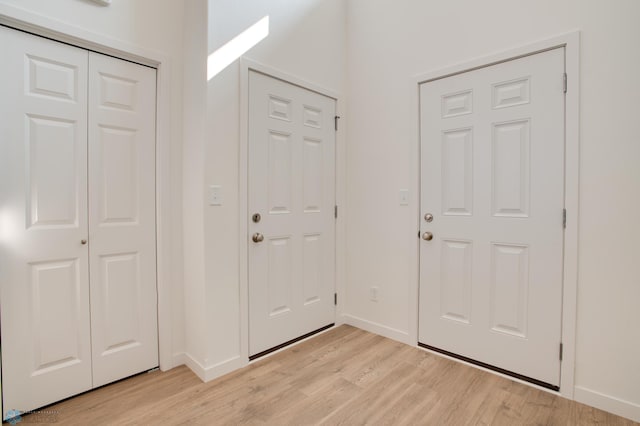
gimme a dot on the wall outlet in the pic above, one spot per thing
(215, 195)
(373, 294)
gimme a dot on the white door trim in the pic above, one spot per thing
(34, 23)
(571, 42)
(247, 65)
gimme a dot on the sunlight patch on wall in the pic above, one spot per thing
(8, 227)
(237, 47)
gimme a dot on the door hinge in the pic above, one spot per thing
(561, 348)
(564, 82)
(335, 121)
(564, 218)
(335, 299)
(335, 211)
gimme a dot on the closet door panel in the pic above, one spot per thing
(122, 218)
(44, 278)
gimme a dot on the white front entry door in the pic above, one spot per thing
(122, 218)
(492, 167)
(292, 189)
(77, 220)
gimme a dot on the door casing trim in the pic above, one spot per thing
(247, 65)
(571, 42)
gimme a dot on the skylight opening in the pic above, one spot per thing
(238, 46)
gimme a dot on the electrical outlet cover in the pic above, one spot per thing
(215, 195)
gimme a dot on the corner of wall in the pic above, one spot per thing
(376, 328)
(194, 117)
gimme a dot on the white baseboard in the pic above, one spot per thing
(224, 367)
(608, 403)
(382, 330)
(194, 366)
(211, 372)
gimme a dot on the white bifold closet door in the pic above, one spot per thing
(44, 267)
(122, 226)
(77, 220)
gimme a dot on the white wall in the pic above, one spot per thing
(389, 42)
(150, 25)
(195, 107)
(306, 40)
(154, 24)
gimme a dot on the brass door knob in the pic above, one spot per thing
(427, 236)
(257, 237)
(83, 242)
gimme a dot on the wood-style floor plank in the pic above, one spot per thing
(345, 376)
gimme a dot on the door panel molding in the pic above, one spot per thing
(571, 42)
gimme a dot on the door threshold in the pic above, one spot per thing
(492, 367)
(290, 342)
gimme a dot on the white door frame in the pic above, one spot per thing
(247, 65)
(571, 42)
(21, 19)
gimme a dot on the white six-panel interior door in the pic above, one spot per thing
(492, 199)
(77, 220)
(292, 189)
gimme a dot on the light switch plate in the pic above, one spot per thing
(404, 197)
(215, 195)
(373, 294)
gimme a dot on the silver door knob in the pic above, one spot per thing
(83, 242)
(427, 236)
(428, 217)
(257, 237)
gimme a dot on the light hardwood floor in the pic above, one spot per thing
(345, 376)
